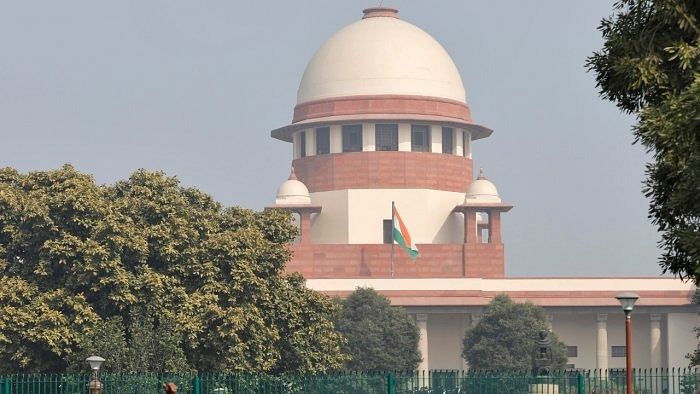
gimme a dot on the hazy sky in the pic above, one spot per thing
(194, 88)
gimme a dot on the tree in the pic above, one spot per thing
(650, 66)
(504, 338)
(157, 275)
(379, 337)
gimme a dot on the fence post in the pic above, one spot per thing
(196, 385)
(390, 384)
(580, 383)
(7, 386)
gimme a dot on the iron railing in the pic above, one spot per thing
(646, 381)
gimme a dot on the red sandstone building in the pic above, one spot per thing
(382, 116)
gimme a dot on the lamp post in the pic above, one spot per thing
(95, 363)
(627, 301)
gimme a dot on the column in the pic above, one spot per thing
(335, 135)
(494, 226)
(404, 137)
(436, 139)
(601, 354)
(655, 340)
(304, 226)
(470, 229)
(550, 319)
(422, 323)
(310, 142)
(369, 143)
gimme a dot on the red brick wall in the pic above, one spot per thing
(382, 104)
(373, 261)
(384, 170)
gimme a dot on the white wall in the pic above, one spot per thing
(427, 214)
(681, 338)
(445, 334)
(331, 225)
(356, 216)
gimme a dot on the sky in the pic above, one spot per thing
(194, 88)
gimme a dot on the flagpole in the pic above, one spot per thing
(392, 239)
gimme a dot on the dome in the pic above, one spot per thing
(381, 55)
(292, 191)
(482, 191)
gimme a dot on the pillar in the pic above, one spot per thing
(655, 340)
(304, 226)
(550, 320)
(601, 354)
(470, 229)
(422, 323)
(494, 227)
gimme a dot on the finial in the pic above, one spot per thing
(292, 175)
(481, 173)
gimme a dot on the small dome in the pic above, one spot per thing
(292, 191)
(381, 55)
(482, 190)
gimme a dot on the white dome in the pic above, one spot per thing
(482, 190)
(292, 191)
(381, 55)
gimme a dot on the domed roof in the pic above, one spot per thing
(381, 55)
(482, 190)
(292, 191)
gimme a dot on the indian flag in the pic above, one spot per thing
(402, 237)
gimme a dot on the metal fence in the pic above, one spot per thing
(649, 381)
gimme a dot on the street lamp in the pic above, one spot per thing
(627, 301)
(95, 363)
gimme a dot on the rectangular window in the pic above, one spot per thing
(386, 137)
(323, 141)
(448, 140)
(420, 138)
(572, 351)
(618, 351)
(302, 144)
(570, 366)
(388, 231)
(352, 138)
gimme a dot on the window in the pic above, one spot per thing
(619, 351)
(420, 138)
(572, 351)
(386, 137)
(448, 140)
(302, 144)
(352, 138)
(323, 141)
(388, 231)
(570, 366)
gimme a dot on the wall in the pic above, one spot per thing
(445, 334)
(374, 261)
(681, 338)
(384, 170)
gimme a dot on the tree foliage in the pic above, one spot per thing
(379, 337)
(155, 275)
(650, 66)
(505, 337)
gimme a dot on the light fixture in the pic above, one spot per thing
(627, 301)
(95, 362)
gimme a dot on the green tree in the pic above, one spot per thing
(650, 67)
(504, 338)
(146, 265)
(379, 337)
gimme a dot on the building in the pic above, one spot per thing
(381, 117)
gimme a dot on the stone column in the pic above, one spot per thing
(494, 226)
(304, 226)
(422, 322)
(655, 340)
(470, 228)
(601, 354)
